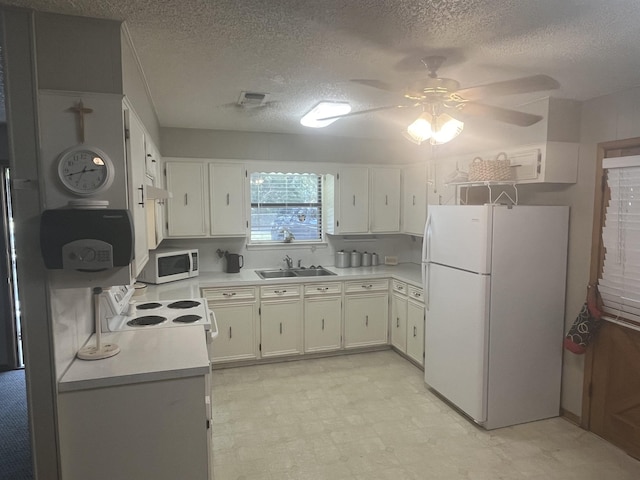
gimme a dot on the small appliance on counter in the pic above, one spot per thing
(167, 265)
(234, 262)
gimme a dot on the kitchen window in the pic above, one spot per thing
(286, 207)
(619, 281)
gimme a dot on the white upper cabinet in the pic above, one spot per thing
(346, 201)
(187, 209)
(414, 199)
(226, 187)
(385, 200)
(136, 165)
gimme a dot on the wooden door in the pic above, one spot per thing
(611, 397)
(615, 387)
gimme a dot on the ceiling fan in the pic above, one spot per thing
(445, 105)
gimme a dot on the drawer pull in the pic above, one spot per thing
(279, 292)
(322, 289)
(229, 294)
(367, 286)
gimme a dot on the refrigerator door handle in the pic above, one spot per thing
(426, 242)
(426, 283)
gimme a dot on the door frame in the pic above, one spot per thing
(597, 253)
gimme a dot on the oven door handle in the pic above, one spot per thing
(214, 324)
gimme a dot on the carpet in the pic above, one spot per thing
(15, 445)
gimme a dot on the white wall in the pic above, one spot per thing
(275, 147)
(405, 247)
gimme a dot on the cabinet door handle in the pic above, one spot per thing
(186, 199)
(386, 199)
(366, 321)
(230, 334)
(227, 199)
(397, 322)
(414, 331)
(414, 199)
(280, 328)
(354, 200)
(323, 324)
(141, 202)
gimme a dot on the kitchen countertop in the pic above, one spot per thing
(145, 356)
(406, 272)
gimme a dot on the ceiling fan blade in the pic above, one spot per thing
(535, 83)
(361, 112)
(505, 115)
(375, 84)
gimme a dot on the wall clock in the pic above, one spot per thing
(85, 170)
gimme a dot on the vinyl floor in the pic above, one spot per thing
(370, 416)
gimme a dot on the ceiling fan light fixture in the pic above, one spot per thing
(324, 110)
(446, 129)
(437, 129)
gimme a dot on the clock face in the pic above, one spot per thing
(85, 170)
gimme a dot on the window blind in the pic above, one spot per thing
(619, 282)
(286, 205)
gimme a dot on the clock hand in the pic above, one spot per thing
(84, 170)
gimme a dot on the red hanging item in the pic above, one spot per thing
(585, 325)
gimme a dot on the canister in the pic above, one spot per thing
(366, 259)
(374, 259)
(355, 258)
(343, 259)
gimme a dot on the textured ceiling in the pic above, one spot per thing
(198, 55)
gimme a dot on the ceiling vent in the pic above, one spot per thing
(253, 99)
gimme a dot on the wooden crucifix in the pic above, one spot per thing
(81, 111)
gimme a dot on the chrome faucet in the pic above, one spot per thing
(289, 261)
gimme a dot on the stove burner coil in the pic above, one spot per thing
(146, 321)
(187, 319)
(184, 304)
(148, 306)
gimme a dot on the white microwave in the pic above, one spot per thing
(167, 265)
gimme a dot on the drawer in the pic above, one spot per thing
(225, 294)
(366, 286)
(399, 286)
(416, 293)
(280, 291)
(329, 288)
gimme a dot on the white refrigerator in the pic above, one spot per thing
(494, 281)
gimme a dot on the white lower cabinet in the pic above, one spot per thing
(322, 317)
(415, 325)
(366, 314)
(280, 321)
(399, 316)
(236, 311)
(157, 429)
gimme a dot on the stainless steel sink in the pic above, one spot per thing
(275, 273)
(313, 272)
(294, 272)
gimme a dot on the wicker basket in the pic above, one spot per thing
(498, 170)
